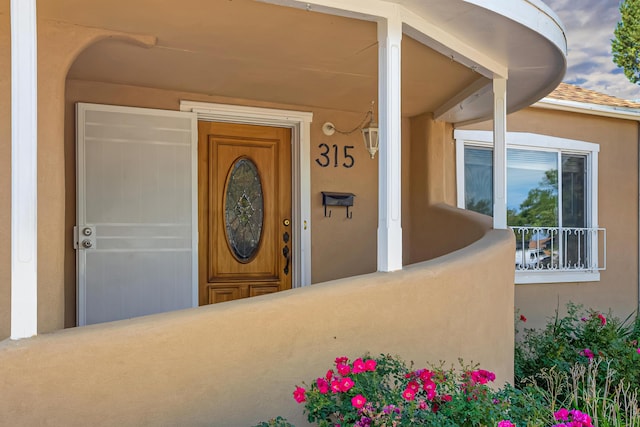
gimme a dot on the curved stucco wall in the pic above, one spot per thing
(236, 363)
(448, 229)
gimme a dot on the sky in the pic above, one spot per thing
(589, 26)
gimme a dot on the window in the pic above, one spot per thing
(551, 201)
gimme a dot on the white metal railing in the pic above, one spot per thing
(560, 249)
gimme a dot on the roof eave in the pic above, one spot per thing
(531, 53)
(591, 109)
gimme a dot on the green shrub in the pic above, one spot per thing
(584, 360)
(275, 422)
(580, 336)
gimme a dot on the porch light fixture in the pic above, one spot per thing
(367, 126)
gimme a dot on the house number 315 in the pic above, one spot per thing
(325, 156)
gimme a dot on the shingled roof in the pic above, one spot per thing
(569, 92)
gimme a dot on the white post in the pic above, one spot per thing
(499, 153)
(24, 128)
(390, 197)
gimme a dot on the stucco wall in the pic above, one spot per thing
(617, 212)
(341, 247)
(432, 182)
(237, 363)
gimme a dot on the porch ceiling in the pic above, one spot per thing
(255, 51)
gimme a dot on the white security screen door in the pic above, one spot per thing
(136, 233)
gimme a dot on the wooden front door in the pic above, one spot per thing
(244, 197)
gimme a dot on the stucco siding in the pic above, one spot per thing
(237, 363)
(617, 212)
(340, 247)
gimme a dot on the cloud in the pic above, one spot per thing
(589, 26)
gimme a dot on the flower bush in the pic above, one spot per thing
(581, 336)
(587, 361)
(385, 392)
(573, 418)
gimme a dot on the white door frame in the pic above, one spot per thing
(300, 124)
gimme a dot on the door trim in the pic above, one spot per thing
(300, 124)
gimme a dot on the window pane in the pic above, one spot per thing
(574, 209)
(244, 209)
(478, 179)
(573, 190)
(532, 188)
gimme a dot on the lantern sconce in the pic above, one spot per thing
(368, 127)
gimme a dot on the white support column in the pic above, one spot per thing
(389, 161)
(500, 153)
(24, 127)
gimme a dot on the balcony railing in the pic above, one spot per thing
(560, 249)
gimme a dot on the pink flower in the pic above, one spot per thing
(638, 350)
(335, 386)
(358, 366)
(524, 319)
(346, 384)
(343, 369)
(580, 417)
(430, 388)
(413, 385)
(587, 353)
(323, 385)
(603, 320)
(447, 398)
(370, 365)
(561, 415)
(425, 375)
(299, 394)
(481, 376)
(329, 375)
(342, 360)
(358, 401)
(506, 423)
(422, 405)
(408, 394)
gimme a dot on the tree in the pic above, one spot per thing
(540, 208)
(483, 206)
(626, 44)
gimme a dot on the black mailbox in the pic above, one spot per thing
(330, 198)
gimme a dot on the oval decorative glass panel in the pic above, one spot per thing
(244, 209)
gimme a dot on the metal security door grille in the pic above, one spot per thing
(136, 235)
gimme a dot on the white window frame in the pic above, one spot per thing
(539, 142)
